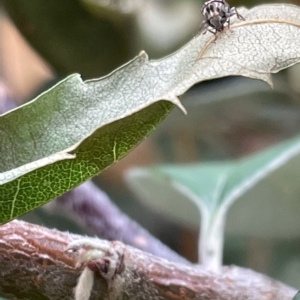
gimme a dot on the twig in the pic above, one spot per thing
(96, 211)
(35, 265)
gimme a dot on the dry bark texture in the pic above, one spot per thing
(35, 265)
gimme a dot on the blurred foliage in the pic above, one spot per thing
(70, 38)
(297, 296)
(230, 117)
(95, 37)
(266, 179)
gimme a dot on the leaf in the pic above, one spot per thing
(262, 44)
(214, 186)
(77, 129)
(70, 133)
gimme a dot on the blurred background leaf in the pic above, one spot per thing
(266, 183)
(297, 297)
(95, 37)
(70, 38)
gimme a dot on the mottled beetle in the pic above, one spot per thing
(217, 13)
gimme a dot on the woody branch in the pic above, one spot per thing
(35, 265)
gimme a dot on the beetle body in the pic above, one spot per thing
(217, 13)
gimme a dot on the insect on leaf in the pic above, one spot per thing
(266, 42)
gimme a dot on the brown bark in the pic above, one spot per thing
(35, 265)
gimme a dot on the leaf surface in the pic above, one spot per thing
(70, 133)
(266, 42)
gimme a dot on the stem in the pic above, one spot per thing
(211, 241)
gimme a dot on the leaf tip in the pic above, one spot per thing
(178, 103)
(271, 85)
(144, 54)
(269, 81)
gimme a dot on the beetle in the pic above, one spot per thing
(217, 13)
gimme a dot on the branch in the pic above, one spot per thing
(96, 211)
(35, 265)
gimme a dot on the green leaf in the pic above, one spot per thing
(214, 186)
(70, 133)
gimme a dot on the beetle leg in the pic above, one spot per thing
(239, 16)
(211, 32)
(228, 23)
